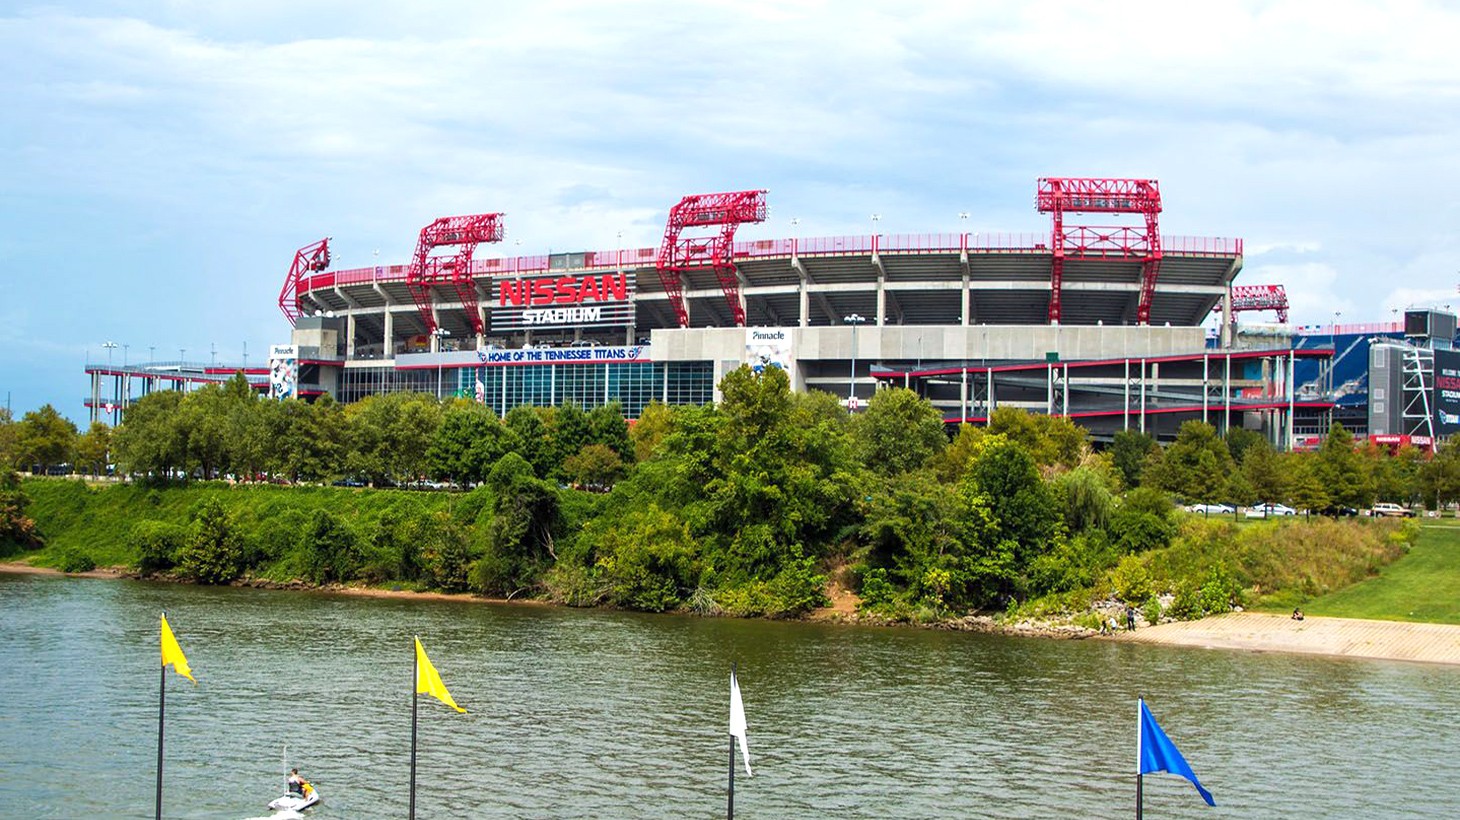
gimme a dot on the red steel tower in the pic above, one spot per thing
(1259, 297)
(463, 233)
(313, 257)
(679, 254)
(1060, 195)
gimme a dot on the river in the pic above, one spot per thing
(575, 713)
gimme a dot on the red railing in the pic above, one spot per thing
(892, 244)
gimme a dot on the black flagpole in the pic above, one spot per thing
(415, 662)
(1140, 732)
(730, 805)
(1139, 798)
(161, 708)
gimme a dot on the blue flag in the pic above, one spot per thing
(1156, 753)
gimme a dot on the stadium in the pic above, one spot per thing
(1102, 323)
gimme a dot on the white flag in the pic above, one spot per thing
(737, 721)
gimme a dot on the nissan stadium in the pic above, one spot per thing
(1105, 324)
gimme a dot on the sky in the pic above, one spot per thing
(164, 160)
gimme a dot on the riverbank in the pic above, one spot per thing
(1242, 631)
(1340, 637)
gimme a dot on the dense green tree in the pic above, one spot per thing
(1195, 466)
(388, 435)
(607, 426)
(150, 441)
(1049, 440)
(1264, 472)
(647, 560)
(898, 432)
(9, 441)
(93, 448)
(1024, 511)
(1305, 490)
(1396, 476)
(1440, 476)
(214, 551)
(469, 441)
(650, 429)
(519, 538)
(595, 467)
(331, 551)
(533, 438)
(1130, 449)
(1239, 439)
(1086, 498)
(47, 439)
(1341, 470)
(572, 431)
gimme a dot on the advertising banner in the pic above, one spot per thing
(1447, 392)
(283, 372)
(768, 347)
(564, 302)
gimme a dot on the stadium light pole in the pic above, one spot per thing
(1333, 343)
(853, 319)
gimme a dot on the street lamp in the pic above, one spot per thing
(875, 219)
(110, 346)
(853, 319)
(440, 333)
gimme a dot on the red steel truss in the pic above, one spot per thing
(312, 258)
(679, 254)
(1259, 297)
(1060, 195)
(463, 233)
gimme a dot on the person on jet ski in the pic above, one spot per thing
(298, 785)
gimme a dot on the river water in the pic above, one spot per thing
(605, 714)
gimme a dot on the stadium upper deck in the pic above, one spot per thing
(928, 279)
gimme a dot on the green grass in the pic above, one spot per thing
(1422, 586)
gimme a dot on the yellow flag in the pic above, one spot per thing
(173, 654)
(429, 681)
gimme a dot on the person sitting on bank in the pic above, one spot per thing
(1297, 614)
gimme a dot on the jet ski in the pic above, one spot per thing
(295, 802)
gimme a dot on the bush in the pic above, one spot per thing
(330, 551)
(213, 553)
(75, 561)
(1131, 580)
(157, 544)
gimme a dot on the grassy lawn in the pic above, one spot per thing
(1422, 586)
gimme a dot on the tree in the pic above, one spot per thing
(1195, 466)
(519, 539)
(1130, 449)
(150, 442)
(533, 438)
(1087, 498)
(1049, 440)
(1305, 490)
(469, 441)
(1022, 507)
(1341, 469)
(898, 432)
(650, 429)
(47, 439)
(1440, 476)
(332, 552)
(1239, 439)
(595, 467)
(93, 448)
(1264, 473)
(213, 553)
(9, 441)
(607, 426)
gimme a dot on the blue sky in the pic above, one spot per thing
(164, 160)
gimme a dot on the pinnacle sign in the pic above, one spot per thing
(592, 300)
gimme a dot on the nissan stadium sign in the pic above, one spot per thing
(592, 300)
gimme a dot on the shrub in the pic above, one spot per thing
(330, 550)
(213, 553)
(75, 561)
(157, 544)
(1131, 580)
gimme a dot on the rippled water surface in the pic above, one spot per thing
(599, 714)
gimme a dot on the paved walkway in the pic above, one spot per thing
(1348, 637)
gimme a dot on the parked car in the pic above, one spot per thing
(1269, 510)
(1210, 509)
(1339, 512)
(1386, 509)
